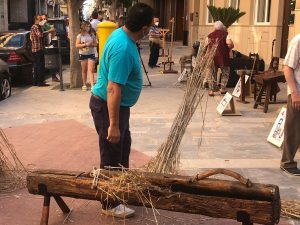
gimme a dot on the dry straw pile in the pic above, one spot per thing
(167, 159)
(12, 171)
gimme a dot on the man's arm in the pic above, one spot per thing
(229, 43)
(37, 32)
(113, 104)
(290, 79)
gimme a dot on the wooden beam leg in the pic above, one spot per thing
(258, 99)
(45, 211)
(244, 218)
(267, 100)
(62, 205)
(255, 89)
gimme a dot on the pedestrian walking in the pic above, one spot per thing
(95, 21)
(154, 38)
(100, 17)
(117, 89)
(96, 52)
(86, 42)
(37, 48)
(222, 58)
(292, 124)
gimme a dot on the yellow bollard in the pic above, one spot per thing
(104, 30)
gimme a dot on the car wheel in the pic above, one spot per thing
(5, 88)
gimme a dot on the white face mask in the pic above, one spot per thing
(42, 22)
(156, 24)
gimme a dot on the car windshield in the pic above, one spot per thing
(12, 40)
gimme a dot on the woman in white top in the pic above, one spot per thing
(85, 42)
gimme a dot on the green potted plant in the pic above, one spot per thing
(226, 15)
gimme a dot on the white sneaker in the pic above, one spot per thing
(121, 211)
(84, 88)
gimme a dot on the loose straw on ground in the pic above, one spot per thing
(290, 209)
(12, 171)
(167, 159)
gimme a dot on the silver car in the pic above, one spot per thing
(5, 81)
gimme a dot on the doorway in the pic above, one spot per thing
(179, 20)
(285, 28)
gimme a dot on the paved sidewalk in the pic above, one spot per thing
(237, 143)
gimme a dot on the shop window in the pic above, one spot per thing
(292, 12)
(210, 20)
(262, 11)
(234, 4)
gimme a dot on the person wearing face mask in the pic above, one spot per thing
(118, 88)
(37, 48)
(154, 38)
(100, 17)
(86, 41)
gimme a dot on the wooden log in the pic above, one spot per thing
(210, 197)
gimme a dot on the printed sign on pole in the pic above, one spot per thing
(276, 135)
(237, 90)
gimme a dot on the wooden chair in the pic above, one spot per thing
(268, 82)
(274, 66)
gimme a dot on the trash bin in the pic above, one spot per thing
(104, 30)
(51, 59)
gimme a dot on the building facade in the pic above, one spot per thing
(3, 15)
(266, 22)
(177, 9)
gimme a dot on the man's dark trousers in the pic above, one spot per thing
(39, 67)
(291, 136)
(112, 155)
(154, 54)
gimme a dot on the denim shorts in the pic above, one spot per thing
(87, 57)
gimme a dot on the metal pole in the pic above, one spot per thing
(60, 65)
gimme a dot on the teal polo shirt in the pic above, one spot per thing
(120, 63)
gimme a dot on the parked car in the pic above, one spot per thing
(60, 24)
(5, 81)
(15, 50)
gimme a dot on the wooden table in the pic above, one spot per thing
(267, 80)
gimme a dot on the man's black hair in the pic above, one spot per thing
(35, 18)
(95, 15)
(139, 15)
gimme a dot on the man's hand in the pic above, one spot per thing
(296, 100)
(113, 134)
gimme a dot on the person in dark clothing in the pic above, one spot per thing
(222, 57)
(154, 38)
(117, 89)
(38, 46)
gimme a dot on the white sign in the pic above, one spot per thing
(224, 103)
(183, 76)
(237, 90)
(276, 135)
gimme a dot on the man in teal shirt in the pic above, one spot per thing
(117, 89)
